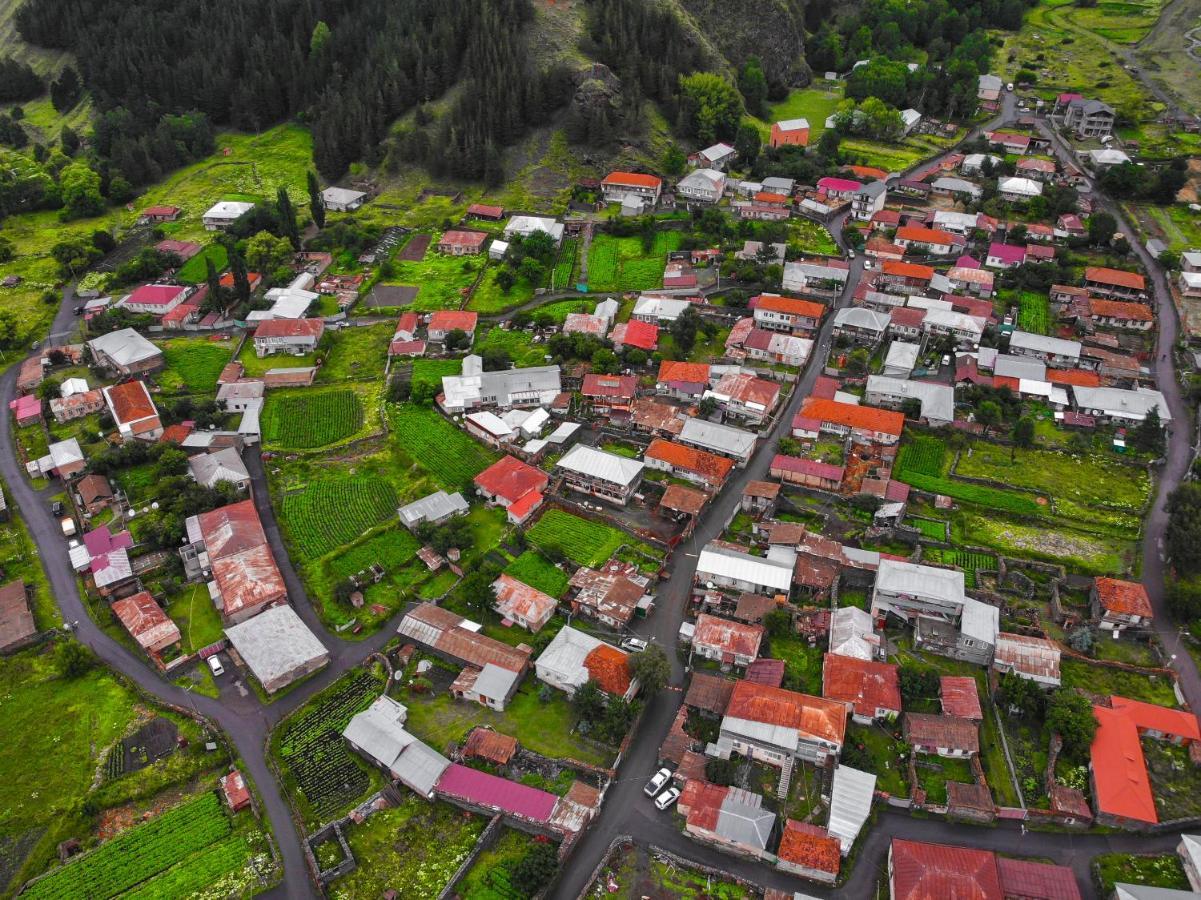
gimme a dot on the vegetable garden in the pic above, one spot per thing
(923, 455)
(449, 454)
(313, 752)
(922, 464)
(142, 853)
(1034, 314)
(537, 571)
(967, 560)
(583, 542)
(333, 511)
(308, 419)
(621, 263)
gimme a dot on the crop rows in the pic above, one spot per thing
(449, 454)
(586, 543)
(138, 854)
(923, 455)
(931, 528)
(313, 749)
(969, 561)
(197, 873)
(330, 512)
(390, 549)
(976, 494)
(313, 419)
(1034, 313)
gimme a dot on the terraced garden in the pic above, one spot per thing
(315, 759)
(436, 445)
(307, 419)
(332, 511)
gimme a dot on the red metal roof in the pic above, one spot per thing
(283, 328)
(826, 719)
(1119, 310)
(1116, 277)
(1123, 597)
(450, 319)
(714, 468)
(1151, 717)
(923, 871)
(766, 671)
(1023, 880)
(619, 386)
(907, 316)
(960, 697)
(868, 418)
(838, 185)
(497, 793)
(484, 211)
(511, 479)
(791, 306)
(1121, 786)
(809, 846)
(925, 235)
(867, 685)
(727, 636)
(156, 294)
(464, 238)
(1078, 377)
(636, 333)
(690, 373)
(907, 270)
(632, 179)
(810, 467)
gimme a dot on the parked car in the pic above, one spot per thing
(216, 667)
(656, 784)
(57, 507)
(667, 798)
(636, 645)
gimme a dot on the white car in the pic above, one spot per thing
(667, 798)
(636, 645)
(867, 264)
(216, 667)
(656, 784)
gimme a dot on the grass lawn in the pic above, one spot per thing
(934, 772)
(195, 270)
(442, 281)
(544, 727)
(21, 560)
(518, 344)
(413, 849)
(807, 236)
(193, 364)
(1091, 553)
(257, 366)
(622, 264)
(1165, 871)
(815, 103)
(357, 353)
(394, 550)
(586, 543)
(1105, 680)
(489, 298)
(884, 753)
(430, 371)
(537, 571)
(560, 309)
(802, 664)
(198, 620)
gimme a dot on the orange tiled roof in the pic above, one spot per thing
(609, 668)
(809, 846)
(1119, 310)
(790, 305)
(885, 421)
(1123, 597)
(907, 270)
(1075, 377)
(817, 716)
(715, 468)
(692, 373)
(1118, 277)
(924, 235)
(634, 179)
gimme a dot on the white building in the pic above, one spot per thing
(570, 661)
(1128, 407)
(702, 186)
(1019, 189)
(937, 400)
(337, 199)
(277, 647)
(740, 571)
(527, 225)
(221, 215)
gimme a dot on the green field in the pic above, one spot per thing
(256, 366)
(436, 445)
(621, 263)
(1034, 312)
(431, 371)
(195, 270)
(518, 344)
(193, 612)
(489, 298)
(584, 542)
(305, 419)
(537, 571)
(335, 510)
(192, 364)
(357, 353)
(1163, 871)
(1077, 673)
(443, 281)
(21, 560)
(813, 103)
(806, 236)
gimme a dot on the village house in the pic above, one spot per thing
(723, 440)
(868, 200)
(336, 199)
(640, 335)
(682, 380)
(776, 347)
(789, 133)
(514, 486)
(146, 623)
(609, 394)
(17, 626)
(433, 509)
(155, 215)
(718, 156)
(861, 325)
(759, 498)
(221, 215)
(1052, 351)
(809, 851)
(277, 647)
(1115, 283)
(933, 241)
(443, 322)
(632, 188)
(729, 643)
(701, 186)
(776, 313)
(492, 670)
(225, 465)
(155, 299)
(517, 602)
(823, 280)
(973, 281)
(1019, 190)
(810, 473)
(63, 459)
(958, 188)
(1119, 405)
(1036, 659)
(1004, 256)
(1090, 119)
(94, 493)
(654, 308)
(229, 546)
(133, 411)
(612, 594)
(574, 658)
(726, 566)
(1118, 605)
(872, 689)
(599, 474)
(295, 336)
(503, 389)
(745, 397)
(865, 424)
(689, 463)
(1121, 314)
(905, 277)
(730, 819)
(462, 243)
(936, 401)
(943, 735)
(125, 352)
(917, 871)
(378, 733)
(774, 725)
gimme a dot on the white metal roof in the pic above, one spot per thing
(1026, 187)
(64, 453)
(1012, 366)
(851, 629)
(564, 656)
(527, 225)
(704, 178)
(124, 347)
(714, 436)
(1121, 403)
(850, 804)
(341, 195)
(898, 577)
(275, 643)
(1041, 343)
(433, 506)
(599, 464)
(981, 621)
(861, 317)
(902, 354)
(726, 563)
(792, 124)
(491, 423)
(228, 209)
(938, 400)
(538, 384)
(762, 732)
(666, 308)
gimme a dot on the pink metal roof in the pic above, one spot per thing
(496, 793)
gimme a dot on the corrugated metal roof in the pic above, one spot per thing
(595, 463)
(850, 804)
(726, 563)
(497, 793)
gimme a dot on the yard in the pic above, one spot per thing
(622, 263)
(1165, 871)
(816, 103)
(394, 550)
(545, 727)
(192, 364)
(802, 664)
(488, 877)
(256, 366)
(443, 281)
(933, 773)
(195, 270)
(409, 851)
(1175, 781)
(517, 343)
(873, 749)
(637, 875)
(537, 571)
(1103, 680)
(357, 353)
(199, 622)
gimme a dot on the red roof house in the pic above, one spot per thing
(727, 642)
(921, 871)
(635, 333)
(960, 697)
(873, 689)
(809, 851)
(146, 622)
(512, 484)
(462, 243)
(237, 795)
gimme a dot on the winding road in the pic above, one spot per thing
(626, 810)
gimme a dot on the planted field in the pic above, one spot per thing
(442, 281)
(1076, 673)
(1005, 501)
(586, 543)
(306, 419)
(357, 353)
(537, 571)
(1034, 312)
(490, 876)
(931, 528)
(334, 511)
(923, 455)
(223, 863)
(622, 263)
(312, 750)
(138, 854)
(192, 365)
(806, 236)
(566, 268)
(968, 560)
(518, 344)
(1090, 553)
(430, 371)
(389, 549)
(438, 446)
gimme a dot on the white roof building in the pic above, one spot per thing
(850, 804)
(226, 211)
(945, 587)
(527, 225)
(1044, 345)
(124, 347)
(901, 358)
(981, 621)
(210, 469)
(664, 309)
(853, 633)
(1106, 157)
(724, 565)
(563, 663)
(722, 439)
(378, 732)
(491, 424)
(937, 400)
(1019, 187)
(707, 183)
(337, 198)
(596, 463)
(533, 386)
(277, 647)
(436, 507)
(72, 386)
(861, 318)
(1120, 403)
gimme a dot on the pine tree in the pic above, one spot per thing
(237, 265)
(316, 205)
(287, 217)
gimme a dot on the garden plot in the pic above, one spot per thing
(537, 571)
(325, 774)
(1164, 871)
(1096, 679)
(394, 550)
(1092, 553)
(412, 850)
(443, 282)
(357, 353)
(517, 343)
(435, 444)
(306, 419)
(923, 464)
(192, 365)
(584, 542)
(490, 876)
(414, 250)
(195, 270)
(623, 264)
(335, 510)
(632, 873)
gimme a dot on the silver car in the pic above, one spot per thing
(656, 784)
